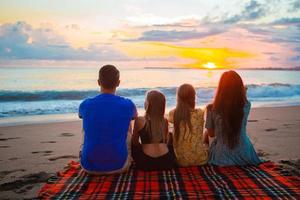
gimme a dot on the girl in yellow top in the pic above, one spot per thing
(188, 128)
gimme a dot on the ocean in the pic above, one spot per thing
(35, 91)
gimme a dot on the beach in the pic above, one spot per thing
(57, 60)
(32, 153)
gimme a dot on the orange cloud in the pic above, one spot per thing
(196, 57)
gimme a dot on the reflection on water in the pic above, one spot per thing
(28, 79)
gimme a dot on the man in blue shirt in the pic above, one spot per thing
(106, 124)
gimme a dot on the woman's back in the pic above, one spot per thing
(150, 147)
(188, 144)
(151, 154)
(220, 153)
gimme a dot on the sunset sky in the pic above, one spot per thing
(142, 33)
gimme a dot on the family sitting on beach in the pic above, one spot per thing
(110, 143)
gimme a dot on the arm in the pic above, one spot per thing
(171, 116)
(82, 108)
(205, 138)
(210, 132)
(171, 126)
(209, 125)
(80, 115)
(134, 111)
(135, 134)
(167, 134)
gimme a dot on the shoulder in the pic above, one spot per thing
(139, 122)
(209, 107)
(199, 111)
(124, 103)
(85, 102)
(171, 112)
(247, 105)
(125, 100)
(84, 107)
(209, 111)
(171, 116)
(93, 100)
(197, 114)
(140, 119)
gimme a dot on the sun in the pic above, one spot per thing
(210, 65)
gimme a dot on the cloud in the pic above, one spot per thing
(195, 57)
(252, 11)
(21, 41)
(175, 35)
(255, 26)
(186, 28)
(284, 30)
(75, 27)
(297, 49)
(294, 58)
(288, 21)
(295, 6)
(147, 20)
(285, 36)
(273, 58)
(191, 22)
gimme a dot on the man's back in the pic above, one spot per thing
(106, 120)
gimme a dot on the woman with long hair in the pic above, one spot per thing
(188, 128)
(153, 153)
(226, 120)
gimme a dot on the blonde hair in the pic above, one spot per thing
(186, 96)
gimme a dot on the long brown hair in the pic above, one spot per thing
(186, 95)
(156, 124)
(229, 102)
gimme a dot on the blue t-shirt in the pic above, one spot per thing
(106, 120)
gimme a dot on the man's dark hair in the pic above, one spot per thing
(109, 76)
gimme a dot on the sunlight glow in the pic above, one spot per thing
(210, 65)
(208, 58)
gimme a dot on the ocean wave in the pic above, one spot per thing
(13, 109)
(275, 90)
(23, 103)
(9, 96)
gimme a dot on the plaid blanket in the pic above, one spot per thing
(198, 182)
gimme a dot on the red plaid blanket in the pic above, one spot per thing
(205, 182)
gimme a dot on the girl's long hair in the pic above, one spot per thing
(156, 124)
(185, 104)
(229, 102)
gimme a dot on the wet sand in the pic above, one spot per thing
(30, 154)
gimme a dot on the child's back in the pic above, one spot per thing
(188, 146)
(150, 149)
(188, 128)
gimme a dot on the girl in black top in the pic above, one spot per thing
(153, 153)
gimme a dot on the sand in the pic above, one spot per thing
(30, 154)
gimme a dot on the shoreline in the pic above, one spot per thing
(31, 153)
(72, 117)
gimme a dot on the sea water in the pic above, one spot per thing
(27, 91)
